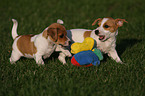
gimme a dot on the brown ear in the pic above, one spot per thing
(99, 19)
(52, 32)
(120, 22)
(45, 35)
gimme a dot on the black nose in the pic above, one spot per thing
(96, 32)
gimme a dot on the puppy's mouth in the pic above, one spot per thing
(101, 37)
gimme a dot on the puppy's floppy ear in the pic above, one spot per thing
(45, 35)
(119, 22)
(99, 19)
(53, 32)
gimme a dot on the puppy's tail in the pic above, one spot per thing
(59, 21)
(14, 29)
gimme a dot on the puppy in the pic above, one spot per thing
(36, 46)
(104, 35)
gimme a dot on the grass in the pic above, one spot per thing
(25, 78)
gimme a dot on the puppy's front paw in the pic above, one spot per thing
(67, 53)
(120, 62)
(62, 58)
(40, 62)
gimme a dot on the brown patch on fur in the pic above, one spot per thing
(52, 32)
(113, 24)
(112, 27)
(57, 33)
(87, 34)
(25, 45)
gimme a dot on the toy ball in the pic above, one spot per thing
(84, 55)
(86, 59)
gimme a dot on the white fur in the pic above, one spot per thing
(45, 47)
(16, 54)
(14, 29)
(76, 34)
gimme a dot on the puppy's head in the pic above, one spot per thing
(57, 33)
(108, 27)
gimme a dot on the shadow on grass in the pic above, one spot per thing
(53, 57)
(126, 43)
(122, 46)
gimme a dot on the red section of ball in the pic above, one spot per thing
(75, 63)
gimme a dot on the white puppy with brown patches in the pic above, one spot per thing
(43, 44)
(104, 35)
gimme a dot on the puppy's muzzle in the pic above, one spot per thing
(101, 37)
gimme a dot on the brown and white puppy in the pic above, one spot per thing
(104, 35)
(36, 46)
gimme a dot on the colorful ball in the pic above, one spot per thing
(85, 58)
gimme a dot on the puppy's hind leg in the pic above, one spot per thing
(38, 59)
(15, 56)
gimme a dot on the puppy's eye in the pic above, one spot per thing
(106, 26)
(61, 36)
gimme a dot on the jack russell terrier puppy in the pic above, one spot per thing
(43, 44)
(104, 35)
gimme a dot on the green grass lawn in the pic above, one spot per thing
(25, 78)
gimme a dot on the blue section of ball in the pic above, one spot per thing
(87, 57)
